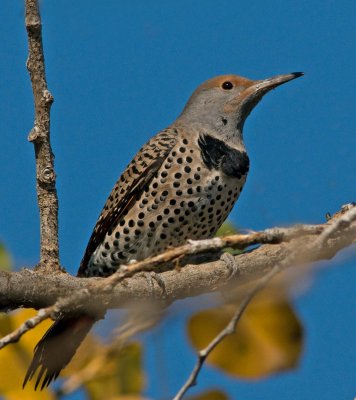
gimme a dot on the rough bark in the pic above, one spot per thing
(29, 288)
(40, 137)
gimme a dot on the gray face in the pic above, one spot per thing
(222, 104)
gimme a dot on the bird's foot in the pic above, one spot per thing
(231, 264)
(151, 278)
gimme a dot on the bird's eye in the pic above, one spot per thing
(227, 85)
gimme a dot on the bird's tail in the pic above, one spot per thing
(57, 347)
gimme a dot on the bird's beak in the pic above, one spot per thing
(265, 85)
(253, 93)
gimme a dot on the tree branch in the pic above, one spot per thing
(345, 220)
(62, 293)
(40, 136)
(29, 288)
(228, 330)
(31, 323)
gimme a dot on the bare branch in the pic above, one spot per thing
(42, 315)
(62, 293)
(228, 330)
(195, 247)
(32, 289)
(31, 323)
(40, 136)
(345, 220)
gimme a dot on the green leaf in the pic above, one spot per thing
(227, 228)
(5, 259)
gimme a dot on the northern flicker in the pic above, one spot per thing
(181, 185)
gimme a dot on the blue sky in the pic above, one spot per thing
(121, 71)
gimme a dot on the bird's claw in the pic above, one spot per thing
(153, 276)
(231, 264)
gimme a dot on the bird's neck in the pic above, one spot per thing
(229, 133)
(233, 138)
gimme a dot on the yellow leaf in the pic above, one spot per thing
(210, 395)
(16, 357)
(127, 397)
(107, 371)
(122, 374)
(268, 337)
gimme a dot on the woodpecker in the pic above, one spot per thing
(182, 184)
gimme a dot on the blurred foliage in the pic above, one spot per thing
(16, 357)
(5, 259)
(227, 228)
(268, 338)
(103, 371)
(210, 395)
(111, 372)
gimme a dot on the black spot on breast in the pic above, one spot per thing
(218, 155)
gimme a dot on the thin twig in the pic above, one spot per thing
(40, 136)
(31, 289)
(43, 314)
(194, 247)
(342, 222)
(31, 323)
(329, 231)
(228, 330)
(61, 293)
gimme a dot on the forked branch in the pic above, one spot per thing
(40, 136)
(294, 257)
(69, 294)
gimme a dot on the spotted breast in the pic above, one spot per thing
(189, 186)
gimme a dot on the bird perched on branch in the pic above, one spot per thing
(181, 185)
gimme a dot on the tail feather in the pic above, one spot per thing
(56, 348)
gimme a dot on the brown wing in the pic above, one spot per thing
(129, 187)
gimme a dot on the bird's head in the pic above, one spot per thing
(223, 103)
